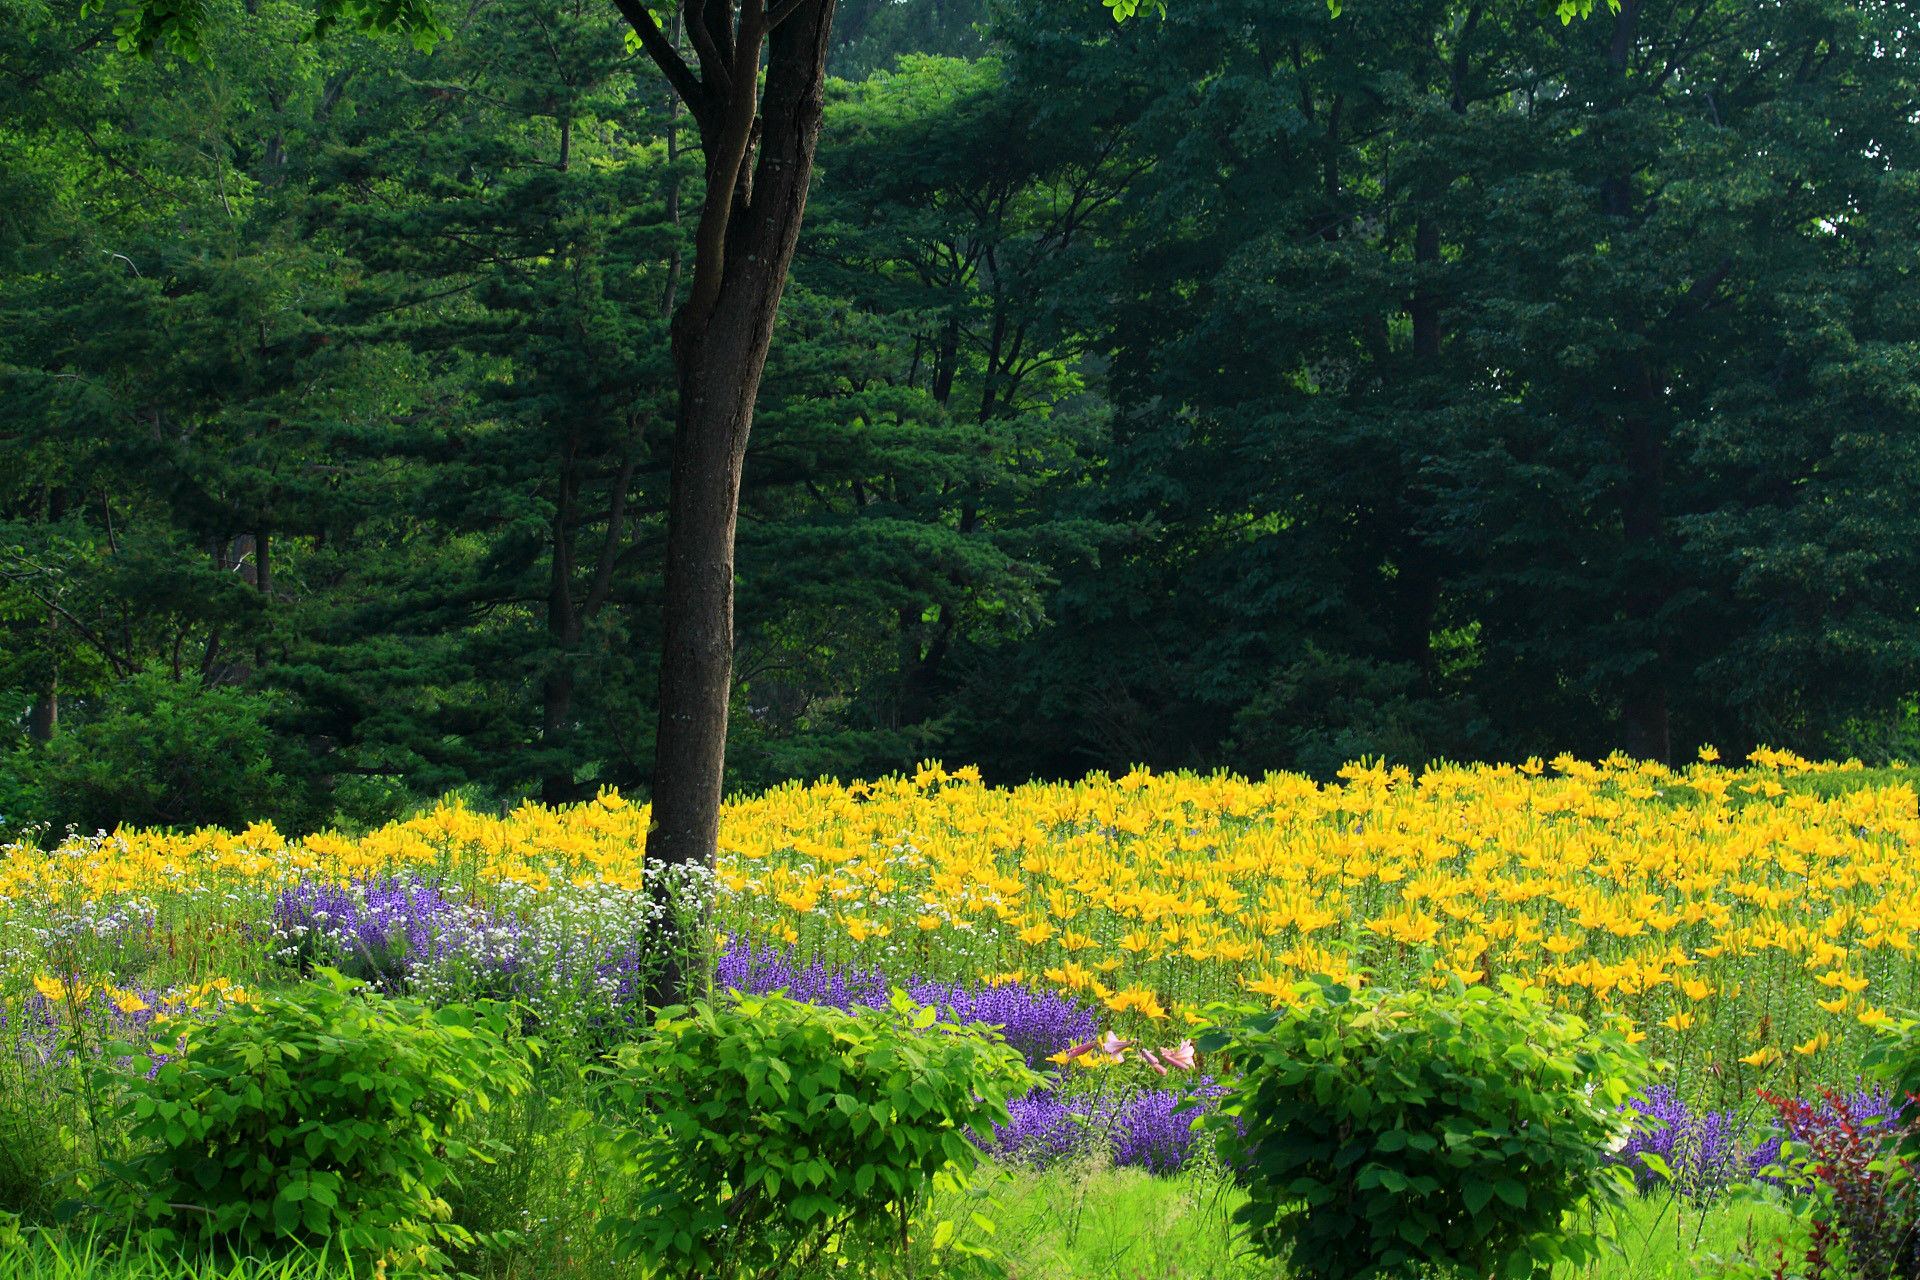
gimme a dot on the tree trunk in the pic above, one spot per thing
(1643, 711)
(1425, 307)
(263, 563)
(566, 620)
(43, 718)
(1645, 722)
(556, 782)
(1644, 715)
(719, 352)
(671, 297)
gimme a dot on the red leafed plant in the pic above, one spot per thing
(1866, 1223)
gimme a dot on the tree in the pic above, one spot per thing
(1275, 604)
(161, 753)
(962, 230)
(758, 143)
(758, 146)
(508, 204)
(166, 389)
(1491, 386)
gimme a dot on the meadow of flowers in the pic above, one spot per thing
(1752, 924)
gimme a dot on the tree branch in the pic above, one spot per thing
(121, 667)
(609, 548)
(1701, 294)
(727, 155)
(697, 96)
(712, 62)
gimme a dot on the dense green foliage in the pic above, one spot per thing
(328, 1115)
(159, 753)
(1895, 1059)
(1388, 1134)
(325, 1126)
(767, 1129)
(1249, 387)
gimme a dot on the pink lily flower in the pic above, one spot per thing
(1181, 1057)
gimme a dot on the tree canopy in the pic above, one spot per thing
(1247, 386)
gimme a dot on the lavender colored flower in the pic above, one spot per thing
(383, 931)
(1870, 1110)
(1044, 1129)
(580, 959)
(1149, 1129)
(758, 971)
(1709, 1151)
(41, 1035)
(1705, 1150)
(1038, 1024)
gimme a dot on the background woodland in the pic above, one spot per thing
(1249, 387)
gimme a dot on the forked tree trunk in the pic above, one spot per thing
(719, 351)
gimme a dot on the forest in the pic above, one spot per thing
(1250, 386)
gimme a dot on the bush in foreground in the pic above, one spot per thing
(1389, 1133)
(330, 1115)
(767, 1128)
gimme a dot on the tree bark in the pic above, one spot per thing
(1425, 307)
(1645, 720)
(720, 341)
(43, 717)
(556, 783)
(263, 563)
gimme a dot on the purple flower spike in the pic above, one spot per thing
(382, 931)
(1038, 1024)
(1145, 1129)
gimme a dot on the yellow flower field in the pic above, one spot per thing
(1744, 923)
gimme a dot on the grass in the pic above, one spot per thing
(1087, 1219)
(1661, 1236)
(1084, 1220)
(49, 1255)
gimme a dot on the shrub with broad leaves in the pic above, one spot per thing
(330, 1114)
(1383, 1133)
(767, 1127)
(1894, 1057)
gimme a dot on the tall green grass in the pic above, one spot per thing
(1088, 1222)
(1082, 1221)
(50, 1255)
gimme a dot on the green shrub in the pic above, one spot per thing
(1387, 1134)
(328, 1115)
(161, 753)
(767, 1127)
(1894, 1056)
